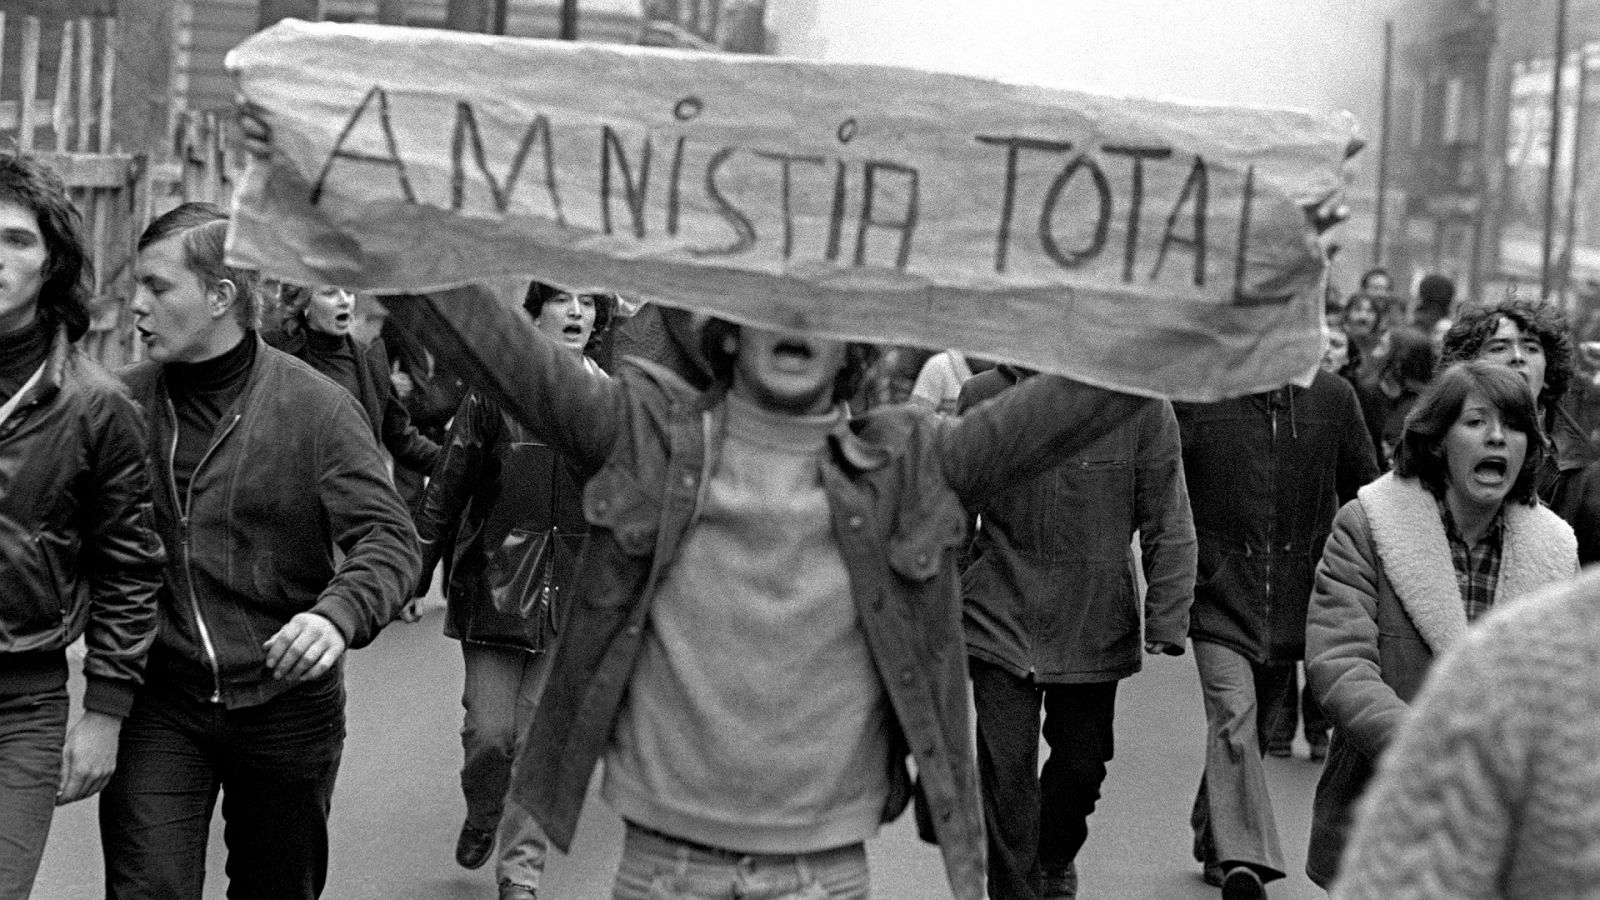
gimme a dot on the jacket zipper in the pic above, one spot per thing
(206, 643)
(1272, 522)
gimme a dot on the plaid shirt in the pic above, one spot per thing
(1477, 567)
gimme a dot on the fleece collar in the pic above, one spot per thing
(1538, 549)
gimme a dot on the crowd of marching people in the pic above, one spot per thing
(775, 606)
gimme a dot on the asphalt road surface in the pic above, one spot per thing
(398, 802)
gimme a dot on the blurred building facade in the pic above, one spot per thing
(1470, 140)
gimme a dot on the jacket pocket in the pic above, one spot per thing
(616, 501)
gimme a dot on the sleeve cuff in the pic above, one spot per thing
(111, 697)
(339, 613)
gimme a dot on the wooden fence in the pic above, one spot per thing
(71, 131)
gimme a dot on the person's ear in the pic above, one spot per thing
(222, 296)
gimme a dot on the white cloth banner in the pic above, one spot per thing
(1156, 247)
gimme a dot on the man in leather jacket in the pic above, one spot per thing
(288, 545)
(79, 556)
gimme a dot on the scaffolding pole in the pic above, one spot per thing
(1558, 67)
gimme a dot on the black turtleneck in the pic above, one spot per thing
(21, 352)
(334, 356)
(201, 393)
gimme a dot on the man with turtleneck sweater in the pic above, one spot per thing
(288, 545)
(79, 556)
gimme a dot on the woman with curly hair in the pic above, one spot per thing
(1534, 340)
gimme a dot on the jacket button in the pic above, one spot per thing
(907, 676)
(855, 523)
(688, 481)
(633, 630)
(923, 559)
(602, 505)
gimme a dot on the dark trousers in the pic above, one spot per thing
(1286, 713)
(32, 729)
(275, 766)
(1038, 819)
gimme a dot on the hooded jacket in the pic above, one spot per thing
(1386, 604)
(1266, 473)
(79, 554)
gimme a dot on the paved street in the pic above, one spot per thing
(398, 805)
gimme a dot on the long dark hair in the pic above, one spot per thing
(68, 268)
(1420, 454)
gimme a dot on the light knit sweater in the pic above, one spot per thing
(1492, 788)
(755, 720)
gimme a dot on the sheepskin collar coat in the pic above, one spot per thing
(1385, 604)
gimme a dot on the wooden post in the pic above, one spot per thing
(1546, 280)
(108, 69)
(1383, 142)
(569, 20)
(61, 109)
(1577, 171)
(391, 12)
(85, 107)
(468, 15)
(30, 82)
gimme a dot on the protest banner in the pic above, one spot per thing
(1156, 247)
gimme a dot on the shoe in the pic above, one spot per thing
(1242, 883)
(510, 891)
(1059, 883)
(1319, 750)
(473, 846)
(1213, 875)
(1282, 751)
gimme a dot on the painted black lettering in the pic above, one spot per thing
(1069, 259)
(1008, 202)
(744, 232)
(836, 215)
(634, 191)
(906, 224)
(1135, 195)
(1196, 190)
(467, 134)
(392, 160)
(675, 178)
(786, 163)
(1241, 297)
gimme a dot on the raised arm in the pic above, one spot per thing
(1025, 431)
(501, 354)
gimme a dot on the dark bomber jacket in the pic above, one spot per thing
(78, 550)
(292, 473)
(899, 483)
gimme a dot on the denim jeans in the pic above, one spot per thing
(275, 765)
(500, 695)
(1232, 817)
(32, 730)
(1036, 818)
(658, 867)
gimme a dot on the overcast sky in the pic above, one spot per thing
(1323, 54)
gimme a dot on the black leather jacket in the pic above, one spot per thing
(78, 550)
(515, 509)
